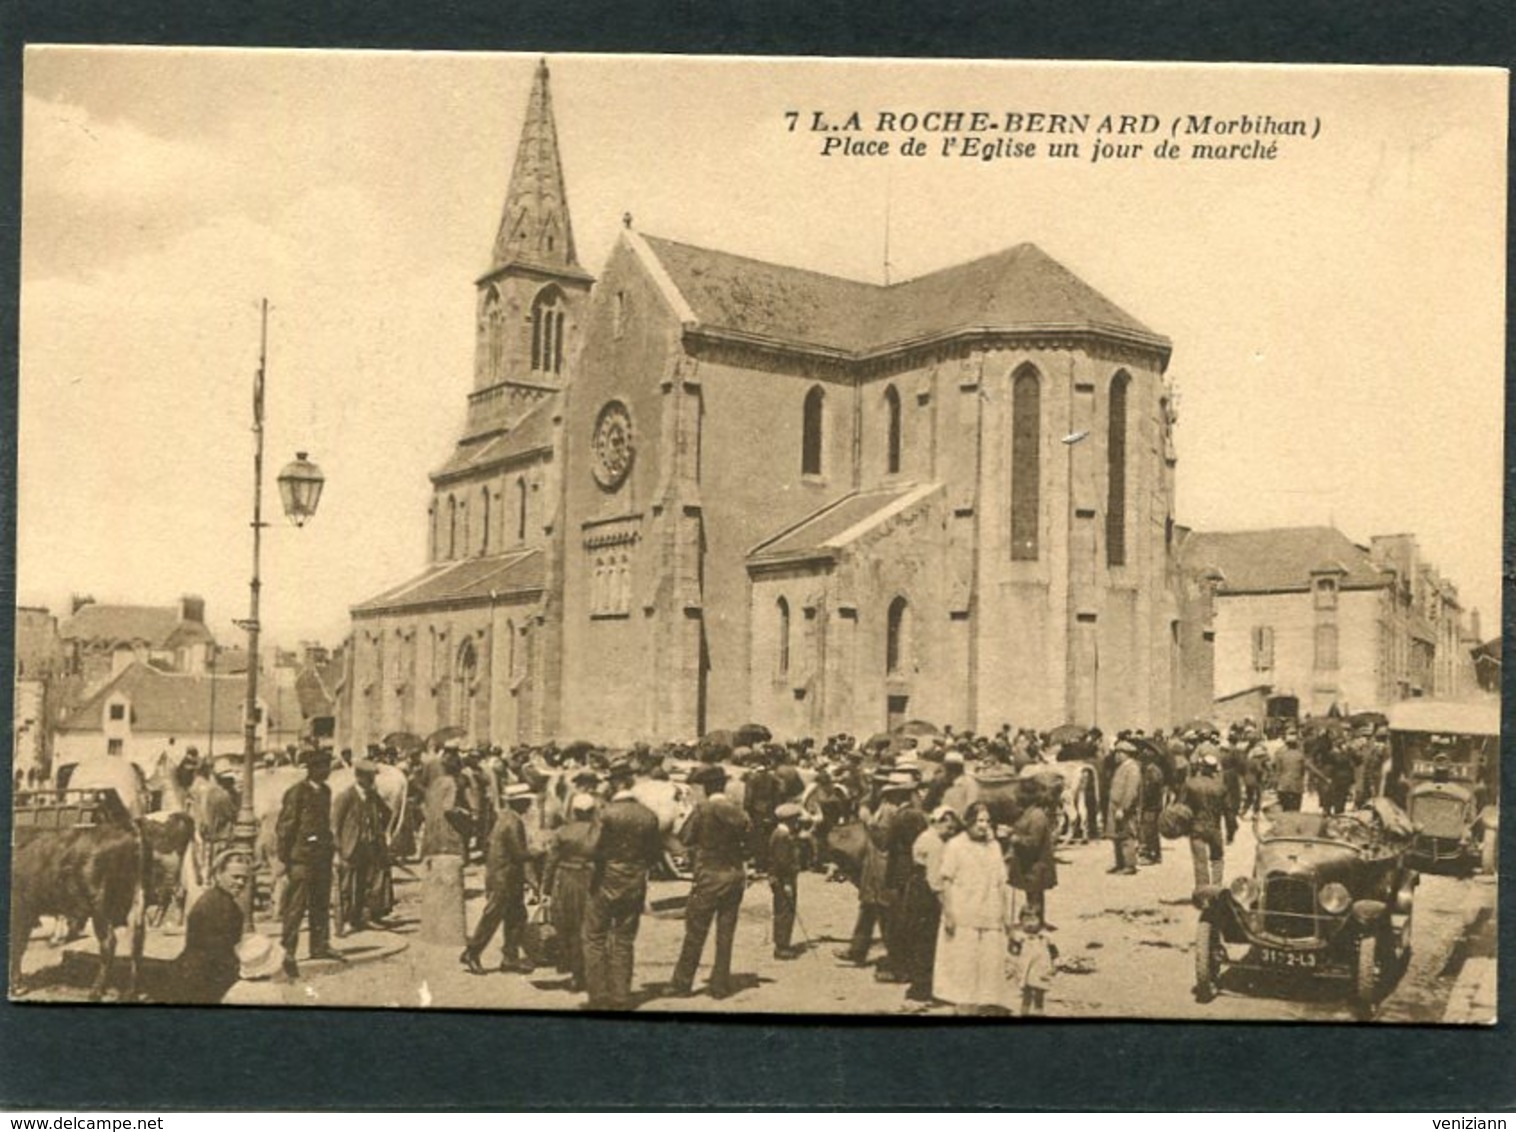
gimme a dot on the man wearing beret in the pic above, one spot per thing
(304, 839)
(716, 836)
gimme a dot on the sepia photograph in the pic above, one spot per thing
(920, 538)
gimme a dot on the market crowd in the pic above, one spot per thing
(949, 838)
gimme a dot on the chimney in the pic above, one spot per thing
(1474, 626)
(192, 608)
(78, 602)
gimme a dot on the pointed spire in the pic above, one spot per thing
(534, 227)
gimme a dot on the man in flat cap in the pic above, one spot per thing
(716, 836)
(304, 840)
(1121, 819)
(361, 819)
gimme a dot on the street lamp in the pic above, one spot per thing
(300, 485)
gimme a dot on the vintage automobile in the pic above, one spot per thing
(1445, 771)
(1329, 897)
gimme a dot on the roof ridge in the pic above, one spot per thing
(764, 262)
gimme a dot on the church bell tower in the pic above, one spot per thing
(531, 300)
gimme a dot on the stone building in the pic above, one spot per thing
(1312, 620)
(101, 640)
(708, 489)
(39, 688)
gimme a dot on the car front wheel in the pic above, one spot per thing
(1205, 961)
(1366, 974)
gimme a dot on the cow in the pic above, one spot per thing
(106, 874)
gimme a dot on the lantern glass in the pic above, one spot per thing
(300, 485)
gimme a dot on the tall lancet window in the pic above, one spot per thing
(892, 442)
(547, 332)
(494, 334)
(1115, 454)
(521, 510)
(484, 513)
(811, 431)
(1026, 463)
(897, 637)
(452, 527)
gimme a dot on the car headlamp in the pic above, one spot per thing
(1244, 891)
(1335, 898)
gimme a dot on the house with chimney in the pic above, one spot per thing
(101, 640)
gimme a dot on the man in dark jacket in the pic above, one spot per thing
(1289, 773)
(716, 836)
(784, 877)
(760, 797)
(907, 823)
(629, 845)
(207, 967)
(304, 838)
(1205, 795)
(505, 863)
(1154, 787)
(1032, 866)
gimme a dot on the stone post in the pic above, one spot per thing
(442, 915)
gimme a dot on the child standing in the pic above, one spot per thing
(1033, 963)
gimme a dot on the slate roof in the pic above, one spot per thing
(1020, 288)
(532, 432)
(833, 527)
(1281, 559)
(171, 703)
(463, 580)
(157, 626)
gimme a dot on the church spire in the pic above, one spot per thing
(534, 226)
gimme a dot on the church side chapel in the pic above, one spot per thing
(704, 489)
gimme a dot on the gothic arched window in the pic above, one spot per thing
(1026, 463)
(892, 444)
(896, 635)
(494, 333)
(810, 432)
(783, 609)
(1115, 455)
(547, 332)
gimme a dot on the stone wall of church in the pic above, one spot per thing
(613, 589)
(412, 672)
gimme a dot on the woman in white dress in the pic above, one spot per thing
(972, 940)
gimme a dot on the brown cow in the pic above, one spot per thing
(105, 874)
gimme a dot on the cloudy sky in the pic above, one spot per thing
(1337, 313)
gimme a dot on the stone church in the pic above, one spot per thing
(703, 490)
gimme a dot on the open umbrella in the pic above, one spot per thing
(1068, 733)
(918, 728)
(714, 746)
(445, 735)
(579, 749)
(1197, 725)
(751, 734)
(1369, 719)
(403, 741)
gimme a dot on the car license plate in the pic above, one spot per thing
(1278, 957)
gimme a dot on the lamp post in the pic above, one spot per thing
(300, 486)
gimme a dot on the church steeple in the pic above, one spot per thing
(534, 226)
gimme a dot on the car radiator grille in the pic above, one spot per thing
(1438, 817)
(1289, 907)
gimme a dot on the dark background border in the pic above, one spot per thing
(77, 1058)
